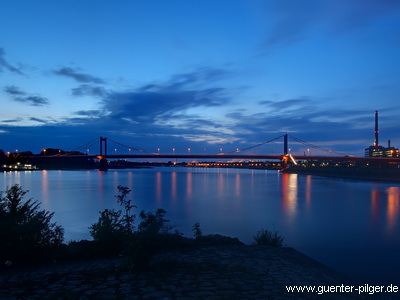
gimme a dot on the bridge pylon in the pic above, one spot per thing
(285, 145)
(103, 140)
(103, 163)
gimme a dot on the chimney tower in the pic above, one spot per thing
(376, 140)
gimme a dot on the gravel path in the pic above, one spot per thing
(218, 272)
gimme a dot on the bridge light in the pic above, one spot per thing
(189, 150)
(129, 150)
(158, 150)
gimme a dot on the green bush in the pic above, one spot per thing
(26, 232)
(268, 238)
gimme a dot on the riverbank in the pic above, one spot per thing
(216, 272)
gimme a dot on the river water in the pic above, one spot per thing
(352, 226)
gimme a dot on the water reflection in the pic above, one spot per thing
(100, 186)
(308, 190)
(45, 190)
(289, 195)
(173, 186)
(189, 189)
(237, 184)
(375, 200)
(158, 188)
(392, 206)
(220, 184)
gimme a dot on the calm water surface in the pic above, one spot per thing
(351, 226)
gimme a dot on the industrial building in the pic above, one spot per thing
(378, 150)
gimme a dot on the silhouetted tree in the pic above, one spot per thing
(25, 231)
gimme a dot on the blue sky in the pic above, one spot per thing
(199, 74)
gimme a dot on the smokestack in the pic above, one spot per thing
(389, 144)
(376, 140)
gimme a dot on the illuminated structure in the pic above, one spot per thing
(377, 150)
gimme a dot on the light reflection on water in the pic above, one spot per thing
(392, 207)
(352, 226)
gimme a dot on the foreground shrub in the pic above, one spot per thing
(115, 233)
(114, 229)
(26, 232)
(268, 238)
(154, 234)
(212, 239)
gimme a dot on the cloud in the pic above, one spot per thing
(21, 96)
(76, 75)
(157, 101)
(16, 120)
(280, 105)
(38, 120)
(14, 91)
(294, 20)
(157, 113)
(33, 100)
(89, 113)
(4, 64)
(88, 90)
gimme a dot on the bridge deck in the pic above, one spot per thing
(235, 156)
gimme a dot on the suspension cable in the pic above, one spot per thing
(133, 148)
(317, 147)
(250, 147)
(87, 145)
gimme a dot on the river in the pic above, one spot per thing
(352, 226)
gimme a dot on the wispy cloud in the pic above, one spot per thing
(16, 120)
(38, 120)
(14, 91)
(295, 20)
(280, 105)
(89, 113)
(88, 90)
(78, 76)
(4, 64)
(21, 96)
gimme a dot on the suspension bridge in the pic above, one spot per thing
(311, 152)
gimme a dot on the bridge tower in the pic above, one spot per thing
(103, 141)
(285, 144)
(103, 163)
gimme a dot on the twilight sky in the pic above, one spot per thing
(200, 74)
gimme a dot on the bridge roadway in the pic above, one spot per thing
(239, 156)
